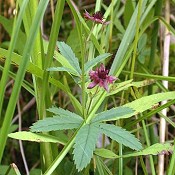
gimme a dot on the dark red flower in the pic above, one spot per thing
(96, 17)
(100, 77)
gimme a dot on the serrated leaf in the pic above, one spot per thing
(118, 87)
(85, 144)
(67, 52)
(113, 114)
(63, 69)
(158, 148)
(95, 61)
(105, 153)
(121, 136)
(144, 103)
(63, 119)
(63, 112)
(29, 136)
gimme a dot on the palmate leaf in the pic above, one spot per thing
(113, 114)
(67, 52)
(121, 136)
(95, 61)
(85, 145)
(62, 120)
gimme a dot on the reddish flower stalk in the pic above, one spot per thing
(97, 17)
(100, 77)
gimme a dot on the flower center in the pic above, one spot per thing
(102, 74)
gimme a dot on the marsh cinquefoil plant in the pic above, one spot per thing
(90, 127)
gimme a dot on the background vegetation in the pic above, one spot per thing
(140, 39)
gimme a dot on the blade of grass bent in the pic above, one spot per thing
(20, 74)
(15, 33)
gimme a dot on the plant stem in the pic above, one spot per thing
(120, 159)
(148, 144)
(171, 169)
(165, 72)
(136, 39)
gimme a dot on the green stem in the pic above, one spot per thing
(120, 159)
(158, 8)
(148, 144)
(63, 153)
(60, 157)
(136, 39)
(171, 169)
(143, 165)
(149, 75)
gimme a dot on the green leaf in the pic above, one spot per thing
(158, 148)
(113, 114)
(58, 122)
(85, 144)
(118, 87)
(144, 103)
(63, 69)
(142, 42)
(121, 136)
(8, 26)
(148, 102)
(67, 52)
(95, 61)
(129, 9)
(29, 136)
(63, 119)
(63, 112)
(105, 153)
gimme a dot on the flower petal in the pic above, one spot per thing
(92, 85)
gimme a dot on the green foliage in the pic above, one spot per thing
(8, 25)
(105, 153)
(148, 102)
(143, 51)
(63, 112)
(129, 9)
(95, 61)
(63, 121)
(67, 52)
(113, 114)
(156, 149)
(10, 170)
(91, 109)
(62, 69)
(85, 145)
(29, 136)
(121, 136)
